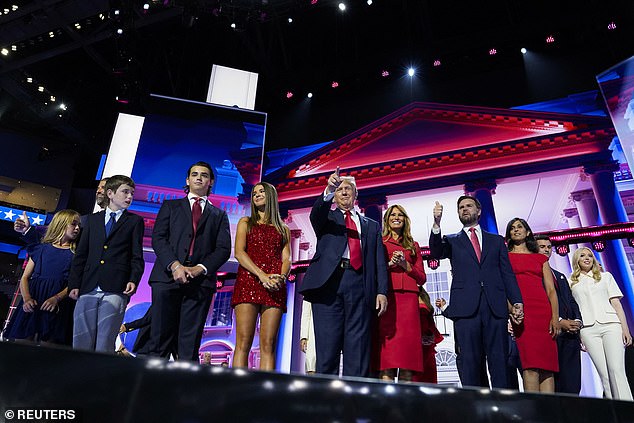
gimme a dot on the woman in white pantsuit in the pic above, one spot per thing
(307, 338)
(605, 332)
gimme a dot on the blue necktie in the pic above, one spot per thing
(110, 223)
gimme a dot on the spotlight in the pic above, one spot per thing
(523, 50)
(289, 94)
(334, 84)
(146, 6)
(77, 25)
(51, 34)
(611, 26)
(40, 89)
(411, 71)
(14, 7)
(385, 74)
(119, 31)
(310, 95)
(63, 106)
(29, 80)
(493, 52)
(102, 16)
(4, 51)
(117, 12)
(598, 246)
(437, 62)
(313, 1)
(14, 48)
(342, 6)
(550, 39)
(562, 250)
(53, 98)
(630, 241)
(369, 2)
(233, 25)
(433, 264)
(290, 20)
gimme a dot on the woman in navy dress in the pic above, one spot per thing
(535, 336)
(263, 250)
(44, 312)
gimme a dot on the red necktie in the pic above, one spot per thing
(354, 243)
(475, 243)
(197, 211)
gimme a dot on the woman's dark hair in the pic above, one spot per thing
(531, 244)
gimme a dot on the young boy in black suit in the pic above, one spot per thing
(107, 268)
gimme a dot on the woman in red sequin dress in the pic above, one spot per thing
(536, 335)
(263, 250)
(398, 342)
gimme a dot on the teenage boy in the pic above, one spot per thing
(106, 269)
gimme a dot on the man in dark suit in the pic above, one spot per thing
(191, 240)
(346, 280)
(483, 285)
(568, 380)
(106, 269)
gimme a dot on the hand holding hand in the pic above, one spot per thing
(193, 272)
(22, 224)
(554, 328)
(179, 274)
(437, 213)
(440, 302)
(517, 313)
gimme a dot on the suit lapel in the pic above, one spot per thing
(187, 211)
(119, 223)
(466, 243)
(365, 227)
(486, 243)
(204, 217)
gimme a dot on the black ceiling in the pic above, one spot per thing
(170, 49)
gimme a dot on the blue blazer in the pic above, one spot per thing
(493, 274)
(172, 235)
(330, 228)
(110, 262)
(568, 307)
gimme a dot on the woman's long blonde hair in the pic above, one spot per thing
(408, 241)
(57, 228)
(576, 269)
(271, 211)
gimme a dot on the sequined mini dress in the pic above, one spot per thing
(264, 247)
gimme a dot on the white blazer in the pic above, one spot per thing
(594, 298)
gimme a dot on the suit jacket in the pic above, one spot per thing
(330, 228)
(568, 308)
(593, 298)
(398, 277)
(172, 235)
(493, 274)
(108, 262)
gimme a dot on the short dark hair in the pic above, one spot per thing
(542, 237)
(212, 176)
(114, 182)
(469, 197)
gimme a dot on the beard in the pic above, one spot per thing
(468, 220)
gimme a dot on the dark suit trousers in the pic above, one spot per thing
(342, 323)
(568, 380)
(479, 336)
(179, 312)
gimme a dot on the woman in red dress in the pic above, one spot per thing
(398, 344)
(536, 335)
(263, 250)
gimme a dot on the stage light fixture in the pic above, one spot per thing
(523, 50)
(563, 249)
(6, 11)
(550, 39)
(77, 25)
(4, 52)
(433, 264)
(119, 31)
(146, 6)
(437, 62)
(493, 52)
(342, 6)
(598, 246)
(611, 26)
(334, 84)
(102, 16)
(385, 74)
(14, 7)
(411, 72)
(14, 48)
(369, 2)
(233, 25)
(29, 80)
(310, 95)
(53, 98)
(290, 20)
(40, 89)
(63, 106)
(116, 12)
(51, 34)
(289, 94)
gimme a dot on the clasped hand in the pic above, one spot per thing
(398, 259)
(517, 313)
(272, 281)
(183, 274)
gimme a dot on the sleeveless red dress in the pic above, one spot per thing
(264, 247)
(538, 350)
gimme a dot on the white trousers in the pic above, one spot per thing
(604, 342)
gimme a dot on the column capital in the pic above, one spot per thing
(585, 194)
(485, 184)
(601, 166)
(571, 212)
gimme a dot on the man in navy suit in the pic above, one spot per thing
(568, 380)
(191, 240)
(106, 269)
(346, 280)
(483, 287)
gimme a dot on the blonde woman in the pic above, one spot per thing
(605, 332)
(263, 250)
(43, 316)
